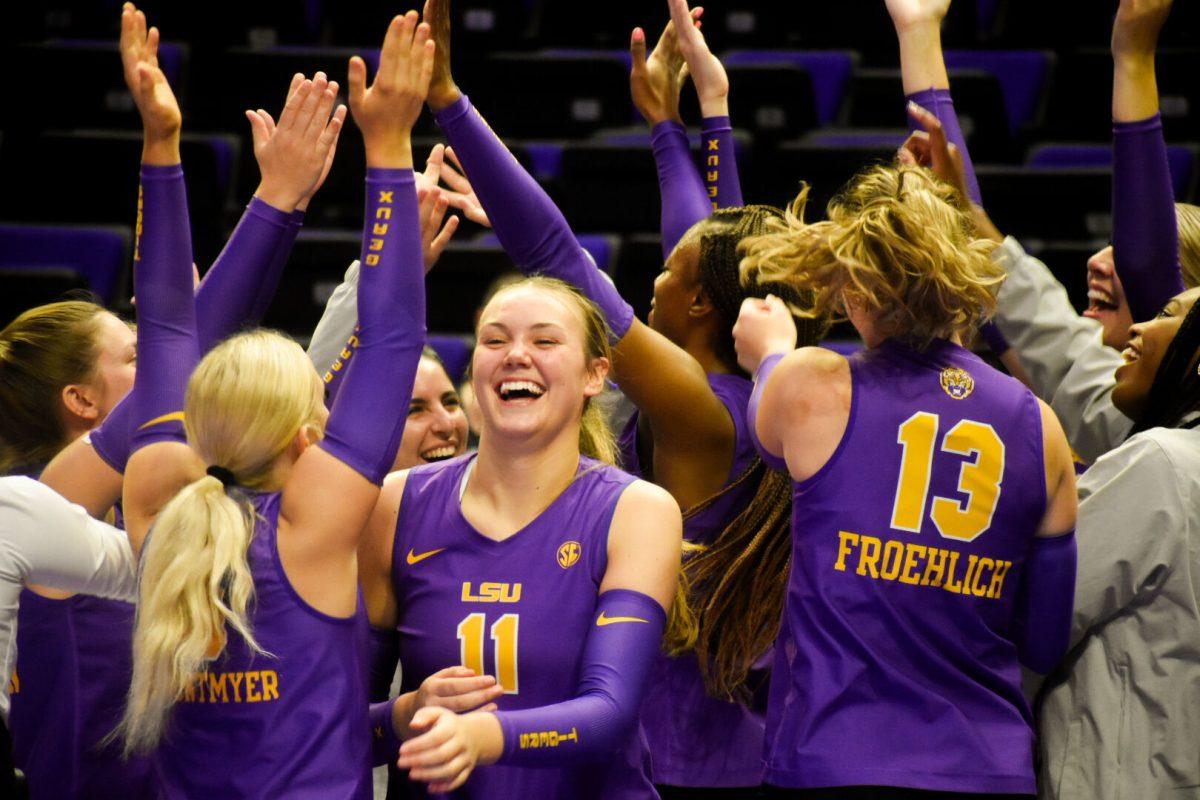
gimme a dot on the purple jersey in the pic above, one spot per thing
(68, 694)
(290, 724)
(896, 664)
(695, 739)
(518, 609)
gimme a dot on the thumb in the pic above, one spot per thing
(637, 49)
(145, 75)
(258, 129)
(356, 77)
(425, 717)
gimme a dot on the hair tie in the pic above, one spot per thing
(223, 475)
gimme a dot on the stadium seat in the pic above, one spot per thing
(98, 255)
(825, 167)
(1068, 261)
(640, 261)
(1181, 159)
(454, 349)
(1022, 75)
(610, 188)
(1049, 204)
(774, 100)
(22, 289)
(829, 73)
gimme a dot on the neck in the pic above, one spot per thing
(522, 481)
(699, 346)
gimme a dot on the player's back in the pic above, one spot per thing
(896, 665)
(519, 609)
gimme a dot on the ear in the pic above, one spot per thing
(80, 400)
(701, 304)
(597, 373)
(308, 435)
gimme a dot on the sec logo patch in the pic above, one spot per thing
(568, 554)
(957, 383)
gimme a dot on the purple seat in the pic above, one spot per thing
(601, 246)
(829, 71)
(97, 253)
(1021, 74)
(455, 352)
(1181, 159)
(858, 138)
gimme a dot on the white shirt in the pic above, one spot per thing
(48, 541)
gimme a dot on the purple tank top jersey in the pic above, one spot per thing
(695, 739)
(896, 665)
(68, 694)
(291, 724)
(518, 609)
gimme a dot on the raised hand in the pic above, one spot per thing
(386, 111)
(458, 689)
(907, 13)
(458, 189)
(764, 327)
(1136, 28)
(712, 84)
(655, 82)
(443, 91)
(431, 209)
(294, 156)
(161, 118)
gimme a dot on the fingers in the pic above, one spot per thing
(637, 49)
(431, 176)
(258, 129)
(356, 77)
(292, 109)
(151, 52)
(429, 52)
(324, 106)
(297, 79)
(443, 772)
(469, 701)
(329, 136)
(312, 102)
(389, 54)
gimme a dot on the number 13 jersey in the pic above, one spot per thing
(895, 664)
(518, 609)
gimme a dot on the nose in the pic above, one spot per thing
(517, 354)
(441, 425)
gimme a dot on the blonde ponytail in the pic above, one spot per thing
(202, 582)
(246, 401)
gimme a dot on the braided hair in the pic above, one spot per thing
(1174, 399)
(736, 584)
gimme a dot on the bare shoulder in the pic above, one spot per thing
(646, 513)
(811, 370)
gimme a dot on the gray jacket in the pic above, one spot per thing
(1070, 367)
(1122, 717)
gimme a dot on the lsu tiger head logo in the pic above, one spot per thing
(957, 383)
(568, 554)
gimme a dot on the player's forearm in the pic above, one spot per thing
(721, 178)
(681, 192)
(922, 65)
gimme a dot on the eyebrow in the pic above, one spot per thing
(536, 326)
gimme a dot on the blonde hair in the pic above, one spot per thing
(42, 351)
(245, 403)
(596, 438)
(1187, 220)
(899, 241)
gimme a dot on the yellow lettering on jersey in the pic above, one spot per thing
(713, 144)
(713, 161)
(217, 692)
(539, 739)
(226, 687)
(14, 683)
(270, 681)
(252, 695)
(920, 565)
(492, 592)
(235, 683)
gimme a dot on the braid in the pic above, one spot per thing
(736, 585)
(1175, 393)
(721, 236)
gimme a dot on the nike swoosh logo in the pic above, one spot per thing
(174, 415)
(602, 620)
(413, 558)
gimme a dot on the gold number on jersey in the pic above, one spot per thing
(978, 479)
(504, 637)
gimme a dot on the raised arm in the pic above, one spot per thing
(668, 385)
(655, 83)
(334, 486)
(620, 649)
(1145, 236)
(721, 180)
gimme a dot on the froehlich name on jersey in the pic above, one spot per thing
(882, 559)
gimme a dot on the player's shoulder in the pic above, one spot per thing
(645, 501)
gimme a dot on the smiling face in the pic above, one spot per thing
(529, 369)
(1106, 299)
(675, 291)
(436, 428)
(1148, 343)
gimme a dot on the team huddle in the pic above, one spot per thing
(234, 568)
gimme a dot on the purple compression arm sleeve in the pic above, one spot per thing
(1042, 621)
(1145, 235)
(530, 227)
(938, 102)
(620, 649)
(720, 163)
(383, 653)
(368, 416)
(760, 380)
(684, 199)
(385, 744)
(335, 376)
(270, 280)
(162, 276)
(230, 291)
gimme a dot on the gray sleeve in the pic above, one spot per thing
(1070, 367)
(48, 541)
(337, 323)
(1132, 522)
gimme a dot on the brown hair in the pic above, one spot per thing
(42, 351)
(898, 240)
(1187, 220)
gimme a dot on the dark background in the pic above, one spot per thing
(815, 95)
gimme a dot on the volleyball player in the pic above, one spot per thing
(271, 690)
(933, 509)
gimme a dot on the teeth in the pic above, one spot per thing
(508, 387)
(438, 453)
(1100, 297)
(1130, 354)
